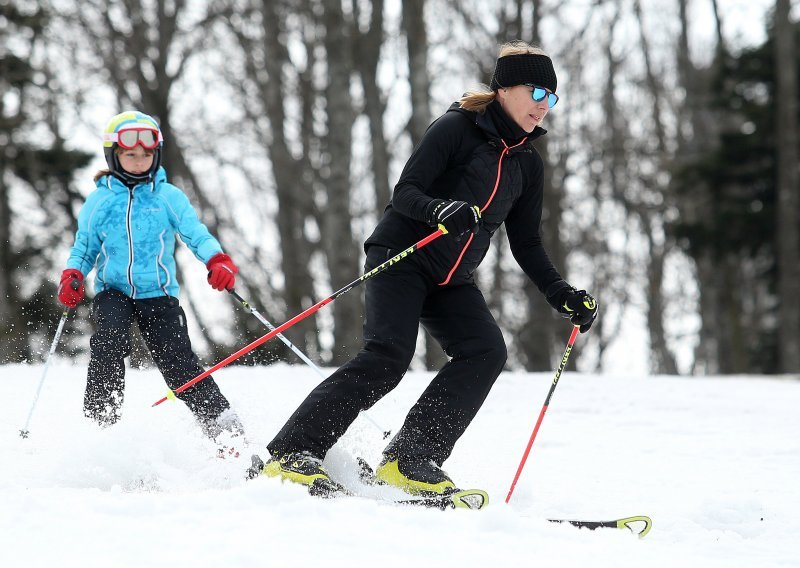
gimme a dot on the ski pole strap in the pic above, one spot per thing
(303, 315)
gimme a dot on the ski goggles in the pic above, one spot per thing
(540, 93)
(147, 138)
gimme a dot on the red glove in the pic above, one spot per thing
(70, 290)
(221, 272)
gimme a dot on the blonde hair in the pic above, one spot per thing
(477, 100)
(104, 172)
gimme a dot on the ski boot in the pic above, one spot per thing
(227, 432)
(305, 469)
(414, 475)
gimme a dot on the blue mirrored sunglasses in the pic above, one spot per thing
(539, 93)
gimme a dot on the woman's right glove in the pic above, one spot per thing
(577, 305)
(454, 217)
(70, 290)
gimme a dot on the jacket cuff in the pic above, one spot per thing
(555, 293)
(430, 210)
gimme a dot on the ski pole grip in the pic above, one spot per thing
(233, 293)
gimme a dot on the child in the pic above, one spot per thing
(127, 230)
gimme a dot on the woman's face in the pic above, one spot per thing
(519, 105)
(137, 160)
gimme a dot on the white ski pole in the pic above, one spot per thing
(25, 432)
(290, 345)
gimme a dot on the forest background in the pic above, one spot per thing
(671, 186)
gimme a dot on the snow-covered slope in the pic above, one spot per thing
(714, 462)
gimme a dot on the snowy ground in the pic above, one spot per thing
(715, 462)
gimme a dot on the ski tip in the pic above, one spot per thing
(639, 525)
(475, 499)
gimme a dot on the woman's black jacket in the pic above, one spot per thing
(462, 157)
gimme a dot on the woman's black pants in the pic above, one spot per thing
(397, 301)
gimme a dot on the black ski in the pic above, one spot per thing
(639, 525)
(475, 499)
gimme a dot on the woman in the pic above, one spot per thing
(127, 231)
(474, 169)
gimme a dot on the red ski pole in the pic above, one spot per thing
(561, 366)
(303, 315)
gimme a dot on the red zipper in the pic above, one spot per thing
(491, 197)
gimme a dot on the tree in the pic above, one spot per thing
(34, 165)
(787, 228)
(733, 235)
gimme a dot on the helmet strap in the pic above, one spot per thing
(129, 179)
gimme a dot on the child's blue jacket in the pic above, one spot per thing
(129, 236)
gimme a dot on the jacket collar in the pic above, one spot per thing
(115, 184)
(485, 123)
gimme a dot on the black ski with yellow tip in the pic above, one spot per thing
(474, 499)
(639, 525)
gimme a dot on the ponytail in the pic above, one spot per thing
(477, 100)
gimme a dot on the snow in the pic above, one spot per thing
(713, 461)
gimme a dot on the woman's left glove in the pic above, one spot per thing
(581, 309)
(577, 305)
(221, 272)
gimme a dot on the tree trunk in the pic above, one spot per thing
(413, 26)
(337, 234)
(9, 313)
(295, 193)
(367, 56)
(703, 124)
(540, 339)
(662, 361)
(788, 186)
(419, 79)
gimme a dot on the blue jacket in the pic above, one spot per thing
(129, 236)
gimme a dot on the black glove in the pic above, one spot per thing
(577, 305)
(454, 217)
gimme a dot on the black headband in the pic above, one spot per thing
(522, 69)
